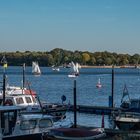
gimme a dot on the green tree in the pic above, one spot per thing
(92, 60)
(86, 57)
(108, 61)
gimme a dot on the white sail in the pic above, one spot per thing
(35, 68)
(99, 81)
(74, 70)
(77, 68)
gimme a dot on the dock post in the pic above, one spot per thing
(4, 81)
(103, 123)
(4, 62)
(112, 86)
(75, 105)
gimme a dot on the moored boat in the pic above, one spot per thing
(128, 121)
(14, 127)
(76, 133)
(32, 104)
(17, 126)
(128, 104)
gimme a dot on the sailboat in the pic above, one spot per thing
(74, 70)
(99, 84)
(35, 68)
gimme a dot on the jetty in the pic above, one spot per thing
(94, 109)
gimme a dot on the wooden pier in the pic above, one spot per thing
(94, 109)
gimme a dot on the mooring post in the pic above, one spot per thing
(75, 105)
(112, 86)
(4, 81)
(4, 62)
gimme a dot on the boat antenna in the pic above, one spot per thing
(40, 104)
(37, 97)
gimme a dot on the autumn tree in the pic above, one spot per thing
(86, 57)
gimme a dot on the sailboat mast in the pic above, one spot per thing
(23, 84)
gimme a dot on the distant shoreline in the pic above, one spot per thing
(86, 66)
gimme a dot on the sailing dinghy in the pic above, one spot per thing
(74, 70)
(35, 68)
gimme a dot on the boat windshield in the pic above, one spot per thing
(28, 124)
(8, 121)
(44, 123)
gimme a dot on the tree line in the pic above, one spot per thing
(59, 57)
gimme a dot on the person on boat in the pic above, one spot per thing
(76, 74)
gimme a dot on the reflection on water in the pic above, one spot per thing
(92, 120)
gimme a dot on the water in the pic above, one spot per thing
(50, 86)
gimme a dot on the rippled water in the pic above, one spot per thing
(50, 86)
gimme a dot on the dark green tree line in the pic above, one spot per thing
(59, 57)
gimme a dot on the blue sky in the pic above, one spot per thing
(85, 25)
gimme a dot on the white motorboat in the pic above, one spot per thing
(34, 105)
(17, 126)
(55, 68)
(127, 121)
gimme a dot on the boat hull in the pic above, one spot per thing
(98, 85)
(128, 125)
(73, 75)
(38, 136)
(76, 134)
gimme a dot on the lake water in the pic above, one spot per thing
(50, 86)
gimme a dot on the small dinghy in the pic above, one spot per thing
(76, 133)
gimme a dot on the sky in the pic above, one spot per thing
(84, 25)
